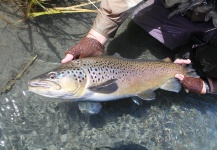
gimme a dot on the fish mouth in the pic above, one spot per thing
(44, 84)
(36, 84)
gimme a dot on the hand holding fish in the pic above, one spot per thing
(91, 45)
(95, 79)
(192, 84)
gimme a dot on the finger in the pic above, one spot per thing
(182, 61)
(180, 76)
(68, 58)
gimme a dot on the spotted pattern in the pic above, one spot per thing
(101, 69)
(76, 73)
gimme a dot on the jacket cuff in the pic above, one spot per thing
(213, 85)
(103, 25)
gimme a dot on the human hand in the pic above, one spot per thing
(86, 47)
(91, 45)
(181, 61)
(192, 84)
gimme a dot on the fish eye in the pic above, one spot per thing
(52, 76)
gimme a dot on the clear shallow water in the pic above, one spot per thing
(30, 122)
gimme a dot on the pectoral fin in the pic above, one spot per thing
(172, 85)
(147, 95)
(107, 87)
(89, 107)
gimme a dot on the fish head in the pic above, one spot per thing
(63, 83)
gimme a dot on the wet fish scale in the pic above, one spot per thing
(97, 79)
(107, 78)
(76, 74)
(104, 69)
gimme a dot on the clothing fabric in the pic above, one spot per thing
(152, 16)
(173, 32)
(204, 59)
(111, 14)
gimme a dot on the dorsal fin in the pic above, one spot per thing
(117, 55)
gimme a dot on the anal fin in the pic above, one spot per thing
(147, 95)
(137, 100)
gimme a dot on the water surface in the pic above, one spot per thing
(32, 122)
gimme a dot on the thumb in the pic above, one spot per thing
(180, 76)
(67, 58)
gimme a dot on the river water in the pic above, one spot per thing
(32, 122)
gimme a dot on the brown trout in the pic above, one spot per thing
(106, 78)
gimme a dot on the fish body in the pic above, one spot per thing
(105, 78)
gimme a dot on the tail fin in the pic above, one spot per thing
(191, 72)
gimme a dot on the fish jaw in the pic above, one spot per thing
(46, 88)
(58, 83)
